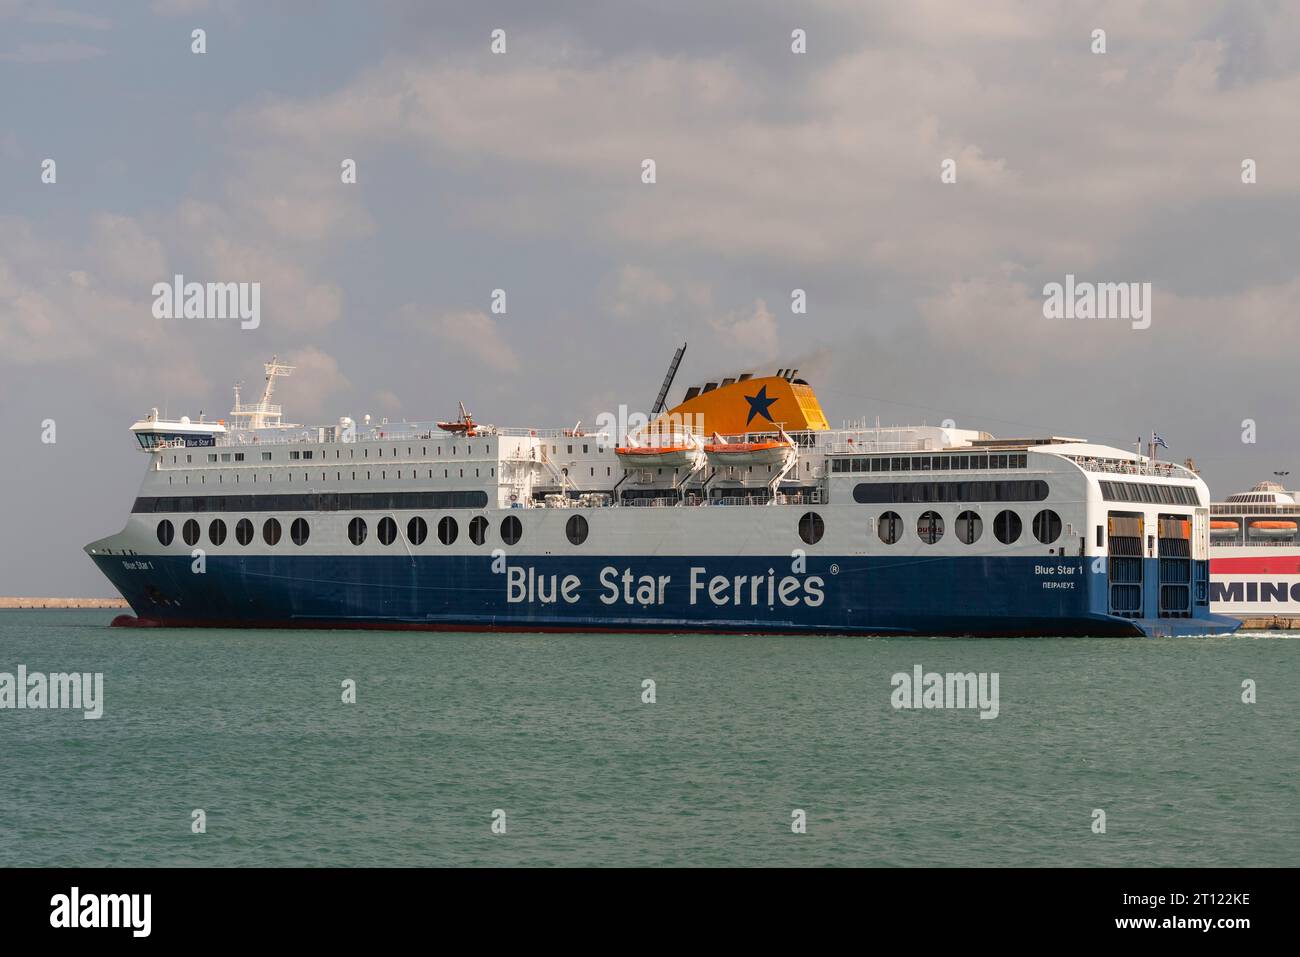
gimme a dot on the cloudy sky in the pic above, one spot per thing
(522, 171)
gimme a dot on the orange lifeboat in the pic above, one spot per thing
(465, 425)
(1273, 529)
(670, 452)
(760, 452)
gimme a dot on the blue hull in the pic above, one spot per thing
(852, 595)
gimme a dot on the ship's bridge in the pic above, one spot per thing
(153, 432)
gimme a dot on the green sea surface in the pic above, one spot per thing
(552, 730)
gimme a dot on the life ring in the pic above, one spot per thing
(514, 498)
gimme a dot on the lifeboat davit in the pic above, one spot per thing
(1273, 529)
(762, 452)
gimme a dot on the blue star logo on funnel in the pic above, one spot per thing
(759, 405)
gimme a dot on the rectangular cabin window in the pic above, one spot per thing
(307, 454)
(1101, 535)
(212, 456)
(266, 456)
(239, 456)
(294, 454)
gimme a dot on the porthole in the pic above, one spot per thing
(217, 531)
(576, 529)
(387, 531)
(511, 530)
(357, 530)
(300, 531)
(244, 531)
(417, 530)
(969, 527)
(929, 527)
(478, 529)
(811, 528)
(271, 531)
(890, 528)
(190, 532)
(166, 532)
(447, 530)
(1047, 526)
(1006, 527)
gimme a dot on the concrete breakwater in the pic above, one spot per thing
(62, 603)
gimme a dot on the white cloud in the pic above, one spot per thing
(751, 332)
(463, 334)
(62, 51)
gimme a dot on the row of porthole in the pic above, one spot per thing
(930, 527)
(889, 527)
(299, 531)
(417, 530)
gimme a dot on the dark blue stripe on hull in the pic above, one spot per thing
(858, 595)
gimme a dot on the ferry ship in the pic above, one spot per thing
(738, 510)
(1255, 554)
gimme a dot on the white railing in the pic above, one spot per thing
(1256, 543)
(1245, 508)
(1119, 467)
(868, 448)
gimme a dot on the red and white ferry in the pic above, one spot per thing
(1255, 554)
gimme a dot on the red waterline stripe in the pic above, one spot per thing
(1267, 565)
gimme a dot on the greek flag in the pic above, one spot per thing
(1155, 437)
